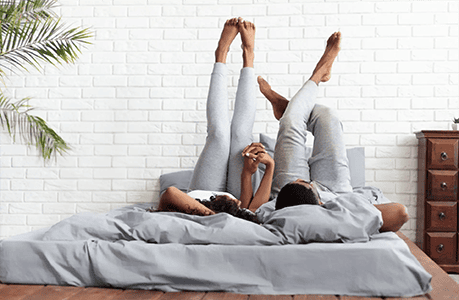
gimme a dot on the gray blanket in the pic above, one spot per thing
(348, 218)
(132, 248)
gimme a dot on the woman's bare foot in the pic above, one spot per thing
(278, 102)
(322, 72)
(247, 30)
(230, 30)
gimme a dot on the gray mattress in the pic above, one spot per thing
(131, 248)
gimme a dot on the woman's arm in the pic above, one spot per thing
(264, 190)
(246, 187)
(255, 154)
(250, 167)
(174, 199)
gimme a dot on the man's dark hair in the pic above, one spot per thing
(296, 194)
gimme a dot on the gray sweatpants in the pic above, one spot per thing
(220, 164)
(328, 164)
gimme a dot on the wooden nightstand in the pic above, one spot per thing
(437, 205)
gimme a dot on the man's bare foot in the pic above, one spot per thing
(322, 72)
(230, 30)
(247, 30)
(278, 102)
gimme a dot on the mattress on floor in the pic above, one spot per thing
(382, 266)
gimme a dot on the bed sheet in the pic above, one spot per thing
(383, 266)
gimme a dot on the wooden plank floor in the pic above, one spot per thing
(37, 292)
(443, 288)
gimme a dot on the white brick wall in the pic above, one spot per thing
(133, 107)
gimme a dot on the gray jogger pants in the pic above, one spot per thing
(220, 164)
(328, 164)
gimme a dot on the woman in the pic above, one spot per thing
(222, 174)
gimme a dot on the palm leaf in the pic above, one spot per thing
(26, 10)
(32, 130)
(46, 40)
(30, 34)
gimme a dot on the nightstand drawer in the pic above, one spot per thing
(442, 185)
(441, 216)
(442, 247)
(442, 154)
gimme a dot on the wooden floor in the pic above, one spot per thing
(443, 288)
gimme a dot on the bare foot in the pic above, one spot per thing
(230, 30)
(247, 30)
(322, 72)
(278, 102)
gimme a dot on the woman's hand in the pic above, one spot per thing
(253, 148)
(255, 154)
(265, 159)
(250, 163)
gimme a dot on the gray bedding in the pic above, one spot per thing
(335, 249)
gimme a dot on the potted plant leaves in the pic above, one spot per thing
(455, 123)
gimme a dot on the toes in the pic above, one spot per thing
(338, 37)
(241, 24)
(334, 40)
(231, 22)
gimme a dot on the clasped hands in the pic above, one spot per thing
(254, 154)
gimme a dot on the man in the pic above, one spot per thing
(325, 175)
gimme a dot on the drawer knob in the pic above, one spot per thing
(444, 156)
(440, 248)
(443, 185)
(442, 216)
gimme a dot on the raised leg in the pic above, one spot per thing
(321, 73)
(328, 164)
(278, 101)
(244, 110)
(290, 151)
(247, 30)
(230, 30)
(210, 172)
